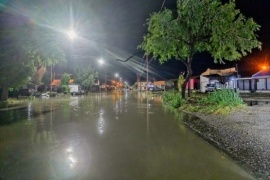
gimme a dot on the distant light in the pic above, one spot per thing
(71, 34)
(101, 61)
(69, 150)
(116, 74)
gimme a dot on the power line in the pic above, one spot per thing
(128, 57)
(162, 5)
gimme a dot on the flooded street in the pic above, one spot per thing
(106, 136)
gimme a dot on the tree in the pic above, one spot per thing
(65, 79)
(15, 68)
(44, 58)
(18, 58)
(200, 26)
(86, 76)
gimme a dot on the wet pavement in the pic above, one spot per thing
(106, 136)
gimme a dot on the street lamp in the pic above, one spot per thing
(101, 62)
(71, 34)
(116, 76)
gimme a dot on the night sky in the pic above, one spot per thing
(112, 29)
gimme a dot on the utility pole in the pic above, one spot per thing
(138, 81)
(105, 79)
(237, 74)
(146, 73)
(51, 83)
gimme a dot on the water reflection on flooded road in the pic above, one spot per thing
(106, 136)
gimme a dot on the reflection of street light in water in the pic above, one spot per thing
(72, 161)
(101, 122)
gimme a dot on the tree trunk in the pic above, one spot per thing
(189, 74)
(187, 80)
(4, 95)
(183, 90)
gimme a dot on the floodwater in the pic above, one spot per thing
(106, 136)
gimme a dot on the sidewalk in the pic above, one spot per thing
(13, 107)
(243, 135)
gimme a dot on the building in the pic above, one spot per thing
(169, 84)
(141, 86)
(259, 81)
(224, 77)
(194, 82)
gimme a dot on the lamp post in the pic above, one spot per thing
(147, 68)
(101, 62)
(116, 75)
(51, 83)
(71, 34)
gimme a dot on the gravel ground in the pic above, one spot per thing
(243, 135)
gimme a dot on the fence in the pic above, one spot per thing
(253, 84)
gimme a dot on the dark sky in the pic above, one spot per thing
(124, 22)
(127, 25)
(112, 29)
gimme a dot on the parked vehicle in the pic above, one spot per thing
(154, 88)
(211, 87)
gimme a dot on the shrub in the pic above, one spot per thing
(65, 89)
(225, 97)
(221, 102)
(173, 99)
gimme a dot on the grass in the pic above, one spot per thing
(12, 102)
(173, 98)
(219, 102)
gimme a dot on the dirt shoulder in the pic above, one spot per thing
(243, 135)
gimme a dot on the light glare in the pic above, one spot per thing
(71, 34)
(100, 61)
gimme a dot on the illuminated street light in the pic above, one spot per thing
(117, 81)
(71, 34)
(101, 61)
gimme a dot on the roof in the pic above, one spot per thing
(57, 82)
(159, 82)
(265, 72)
(220, 72)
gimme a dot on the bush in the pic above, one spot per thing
(65, 89)
(224, 97)
(221, 102)
(173, 99)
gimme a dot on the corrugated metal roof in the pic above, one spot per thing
(221, 72)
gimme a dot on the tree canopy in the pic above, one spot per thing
(65, 79)
(200, 26)
(15, 68)
(21, 50)
(86, 76)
